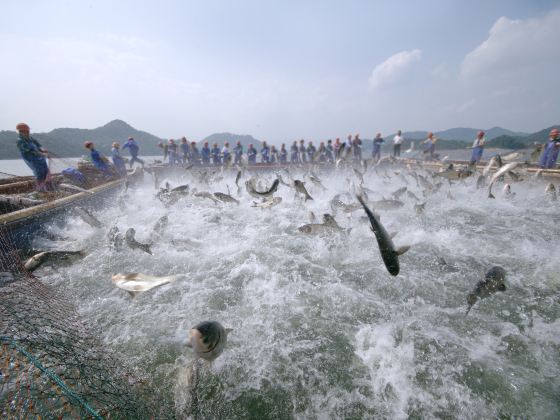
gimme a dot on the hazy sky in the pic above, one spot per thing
(280, 70)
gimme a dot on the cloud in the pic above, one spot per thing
(515, 47)
(393, 69)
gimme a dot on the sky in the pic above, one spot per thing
(280, 70)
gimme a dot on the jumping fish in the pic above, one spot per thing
(45, 257)
(300, 188)
(503, 170)
(131, 241)
(494, 281)
(389, 254)
(264, 194)
(205, 194)
(88, 217)
(136, 283)
(271, 202)
(208, 339)
(397, 194)
(225, 198)
(329, 225)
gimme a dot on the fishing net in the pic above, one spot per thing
(51, 364)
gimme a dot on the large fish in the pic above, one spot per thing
(264, 194)
(495, 160)
(205, 194)
(494, 281)
(397, 194)
(455, 174)
(87, 217)
(225, 198)
(208, 339)
(502, 171)
(510, 157)
(328, 226)
(131, 241)
(389, 254)
(300, 188)
(50, 257)
(135, 283)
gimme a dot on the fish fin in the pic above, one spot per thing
(228, 330)
(393, 234)
(402, 249)
(133, 293)
(490, 195)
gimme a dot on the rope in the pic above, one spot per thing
(55, 378)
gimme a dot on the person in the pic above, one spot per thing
(283, 154)
(215, 152)
(302, 155)
(294, 153)
(252, 155)
(397, 141)
(322, 152)
(337, 146)
(431, 142)
(117, 159)
(377, 142)
(310, 151)
(273, 154)
(330, 152)
(194, 155)
(185, 149)
(226, 155)
(34, 156)
(165, 148)
(205, 153)
(478, 148)
(238, 152)
(132, 146)
(357, 148)
(75, 176)
(173, 156)
(349, 143)
(550, 152)
(265, 158)
(99, 162)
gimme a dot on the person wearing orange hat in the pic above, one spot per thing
(34, 155)
(478, 148)
(551, 150)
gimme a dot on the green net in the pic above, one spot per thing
(51, 364)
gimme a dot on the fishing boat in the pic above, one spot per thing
(25, 213)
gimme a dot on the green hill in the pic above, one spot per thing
(69, 142)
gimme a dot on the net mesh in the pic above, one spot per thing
(51, 364)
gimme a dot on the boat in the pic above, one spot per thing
(25, 213)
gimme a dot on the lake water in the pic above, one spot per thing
(320, 329)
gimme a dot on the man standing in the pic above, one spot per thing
(238, 152)
(185, 149)
(294, 156)
(377, 142)
(302, 155)
(252, 155)
(550, 152)
(132, 146)
(34, 156)
(478, 148)
(357, 148)
(397, 141)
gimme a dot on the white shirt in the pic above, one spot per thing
(479, 142)
(398, 139)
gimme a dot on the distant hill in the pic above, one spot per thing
(221, 138)
(460, 133)
(69, 142)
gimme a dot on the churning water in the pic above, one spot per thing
(320, 329)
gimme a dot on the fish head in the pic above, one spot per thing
(207, 339)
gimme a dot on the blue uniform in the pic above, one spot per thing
(283, 155)
(264, 154)
(252, 155)
(75, 176)
(30, 151)
(478, 149)
(185, 150)
(205, 153)
(310, 152)
(99, 163)
(553, 154)
(330, 153)
(132, 146)
(118, 161)
(238, 152)
(216, 156)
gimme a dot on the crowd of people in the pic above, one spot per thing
(184, 152)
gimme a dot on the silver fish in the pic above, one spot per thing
(397, 194)
(45, 257)
(300, 188)
(494, 281)
(136, 283)
(502, 171)
(88, 217)
(205, 194)
(329, 225)
(131, 241)
(258, 194)
(271, 202)
(225, 198)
